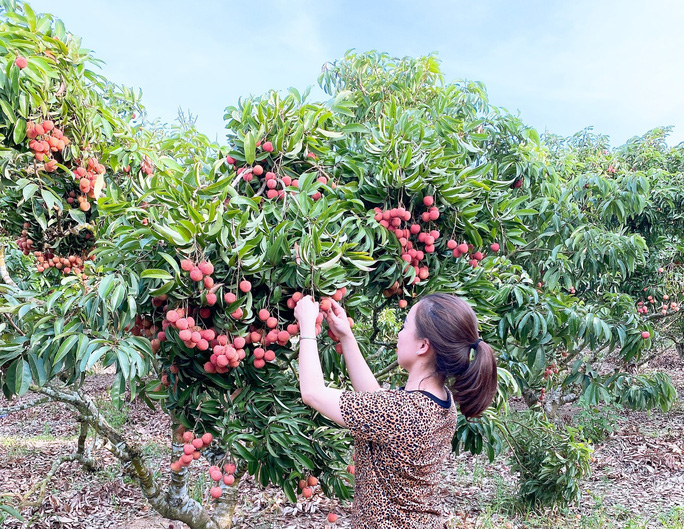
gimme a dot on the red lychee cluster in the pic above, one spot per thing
(270, 179)
(276, 184)
(201, 273)
(68, 265)
(45, 139)
(216, 475)
(146, 166)
(191, 449)
(465, 249)
(144, 327)
(642, 307)
(25, 243)
(307, 486)
(191, 335)
(551, 369)
(225, 355)
(86, 175)
(393, 220)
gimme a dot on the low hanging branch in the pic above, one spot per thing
(25, 406)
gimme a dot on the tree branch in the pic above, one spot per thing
(660, 315)
(3, 269)
(389, 368)
(9, 318)
(25, 406)
(42, 484)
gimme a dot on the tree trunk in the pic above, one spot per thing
(176, 504)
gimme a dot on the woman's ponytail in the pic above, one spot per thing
(475, 388)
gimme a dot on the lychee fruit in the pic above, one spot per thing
(216, 492)
(206, 268)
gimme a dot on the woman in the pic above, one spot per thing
(402, 436)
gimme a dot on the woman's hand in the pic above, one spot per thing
(337, 320)
(306, 312)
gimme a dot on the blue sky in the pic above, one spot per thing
(613, 65)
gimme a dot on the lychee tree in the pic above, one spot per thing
(179, 261)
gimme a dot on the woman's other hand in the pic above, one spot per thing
(337, 320)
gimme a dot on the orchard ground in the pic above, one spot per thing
(637, 479)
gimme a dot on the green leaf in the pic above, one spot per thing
(19, 131)
(250, 148)
(50, 199)
(106, 286)
(78, 215)
(19, 376)
(29, 191)
(288, 489)
(13, 512)
(243, 452)
(65, 348)
(155, 273)
(355, 127)
(172, 235)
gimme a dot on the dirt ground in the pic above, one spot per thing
(638, 474)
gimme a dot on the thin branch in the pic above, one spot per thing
(42, 484)
(9, 318)
(388, 369)
(660, 315)
(651, 357)
(25, 406)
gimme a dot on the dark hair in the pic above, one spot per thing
(450, 325)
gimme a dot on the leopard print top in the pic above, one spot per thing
(401, 439)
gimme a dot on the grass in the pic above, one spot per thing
(114, 416)
(500, 514)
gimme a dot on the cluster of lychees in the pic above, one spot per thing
(201, 273)
(551, 369)
(86, 176)
(307, 486)
(191, 449)
(392, 219)
(225, 352)
(667, 305)
(271, 179)
(72, 264)
(25, 243)
(216, 475)
(45, 139)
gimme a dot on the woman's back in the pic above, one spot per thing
(401, 439)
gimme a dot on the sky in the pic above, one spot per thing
(563, 66)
